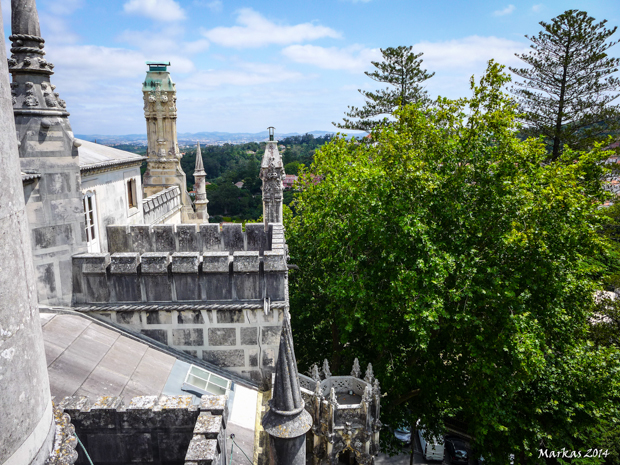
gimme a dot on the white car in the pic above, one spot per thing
(433, 448)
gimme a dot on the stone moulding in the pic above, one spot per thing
(110, 165)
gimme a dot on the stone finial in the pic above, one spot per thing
(199, 167)
(317, 389)
(24, 18)
(326, 371)
(315, 373)
(355, 372)
(332, 397)
(370, 376)
(367, 396)
(376, 390)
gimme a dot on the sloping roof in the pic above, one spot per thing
(94, 156)
(87, 359)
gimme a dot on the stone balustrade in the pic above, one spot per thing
(161, 205)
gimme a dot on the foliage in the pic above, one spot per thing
(228, 164)
(449, 255)
(569, 86)
(401, 69)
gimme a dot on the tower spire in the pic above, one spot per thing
(200, 187)
(272, 174)
(287, 421)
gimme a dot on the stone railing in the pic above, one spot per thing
(161, 205)
(195, 238)
(168, 429)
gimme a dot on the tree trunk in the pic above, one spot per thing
(557, 141)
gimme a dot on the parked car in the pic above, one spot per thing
(457, 450)
(433, 448)
(403, 434)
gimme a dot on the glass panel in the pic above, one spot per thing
(199, 383)
(194, 370)
(219, 381)
(213, 389)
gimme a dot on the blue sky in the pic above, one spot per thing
(241, 66)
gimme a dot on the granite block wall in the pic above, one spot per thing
(192, 237)
(166, 430)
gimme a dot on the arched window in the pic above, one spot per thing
(90, 222)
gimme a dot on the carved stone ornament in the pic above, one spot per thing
(315, 373)
(30, 100)
(370, 376)
(355, 372)
(326, 371)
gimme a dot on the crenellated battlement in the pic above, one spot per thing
(131, 277)
(195, 238)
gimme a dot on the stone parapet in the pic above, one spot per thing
(151, 429)
(194, 238)
(179, 277)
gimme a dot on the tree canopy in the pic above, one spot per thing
(569, 86)
(400, 68)
(450, 255)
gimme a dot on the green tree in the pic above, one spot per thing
(569, 85)
(400, 68)
(451, 257)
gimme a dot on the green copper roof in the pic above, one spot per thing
(158, 74)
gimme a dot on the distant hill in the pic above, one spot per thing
(205, 137)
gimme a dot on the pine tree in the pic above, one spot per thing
(569, 87)
(399, 68)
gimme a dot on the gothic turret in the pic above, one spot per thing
(272, 174)
(200, 188)
(47, 148)
(163, 166)
(287, 421)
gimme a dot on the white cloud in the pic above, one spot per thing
(468, 53)
(160, 10)
(353, 59)
(244, 74)
(255, 30)
(537, 8)
(506, 11)
(215, 6)
(168, 40)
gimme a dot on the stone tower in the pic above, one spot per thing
(26, 422)
(272, 174)
(48, 150)
(163, 167)
(287, 421)
(199, 186)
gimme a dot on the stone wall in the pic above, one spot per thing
(224, 305)
(195, 238)
(243, 341)
(112, 205)
(168, 430)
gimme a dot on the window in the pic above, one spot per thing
(205, 382)
(132, 198)
(90, 222)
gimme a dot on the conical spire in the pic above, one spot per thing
(287, 418)
(199, 168)
(286, 390)
(24, 18)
